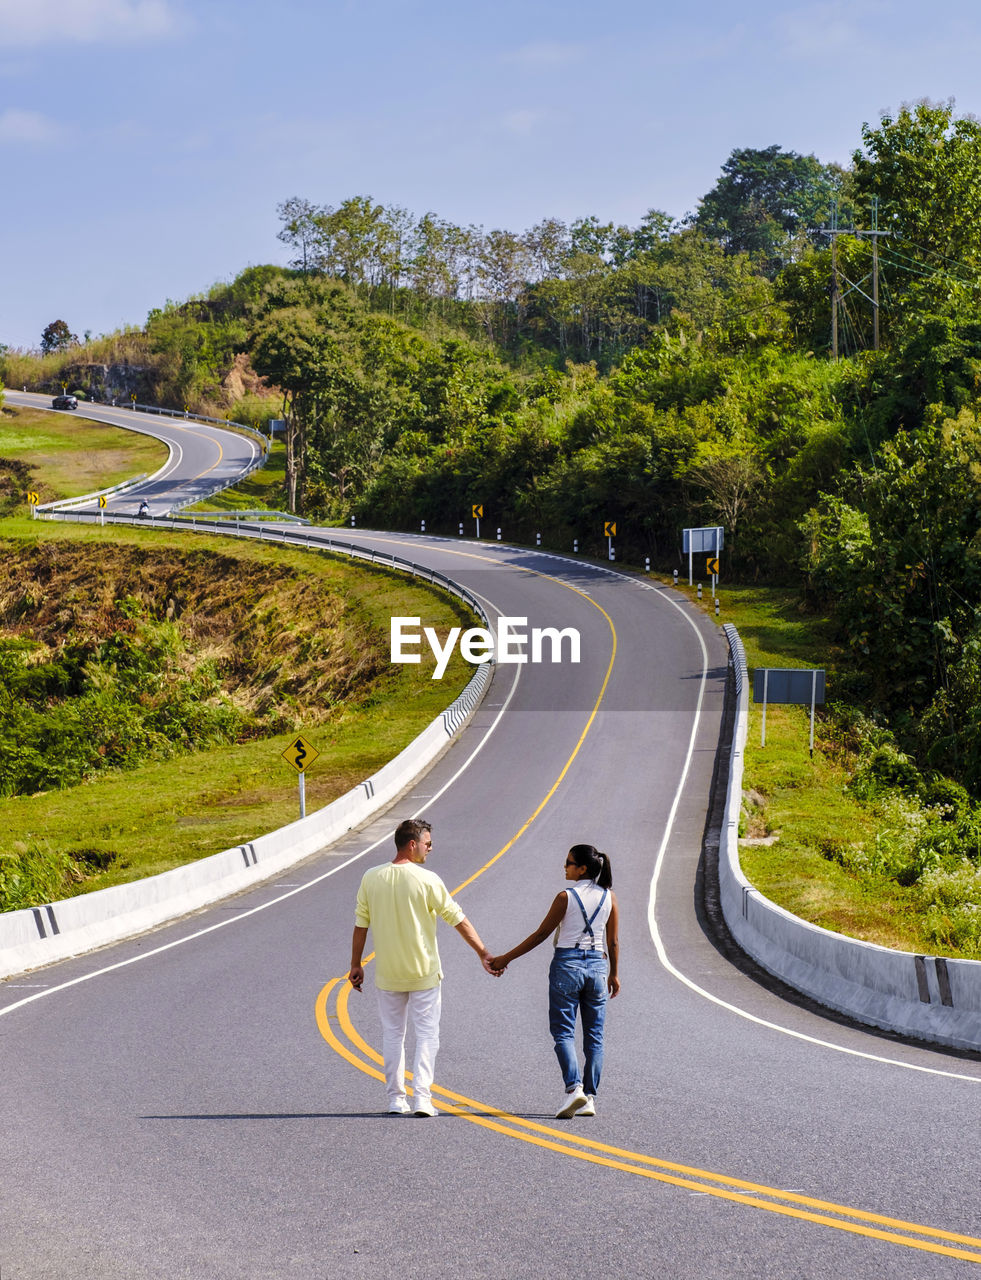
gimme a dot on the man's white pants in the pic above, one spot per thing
(422, 1010)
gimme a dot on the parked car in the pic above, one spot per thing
(64, 402)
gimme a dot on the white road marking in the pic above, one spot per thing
(693, 986)
(222, 924)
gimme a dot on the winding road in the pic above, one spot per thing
(203, 458)
(205, 1101)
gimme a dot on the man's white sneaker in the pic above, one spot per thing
(590, 1108)
(424, 1107)
(573, 1103)
(399, 1108)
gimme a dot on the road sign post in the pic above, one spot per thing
(709, 538)
(478, 511)
(800, 686)
(300, 754)
(712, 567)
(609, 533)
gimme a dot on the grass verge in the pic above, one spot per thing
(800, 809)
(123, 826)
(65, 455)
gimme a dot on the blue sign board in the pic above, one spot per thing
(799, 685)
(709, 538)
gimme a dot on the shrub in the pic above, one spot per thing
(887, 769)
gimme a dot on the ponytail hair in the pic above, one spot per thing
(598, 865)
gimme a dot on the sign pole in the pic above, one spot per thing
(300, 754)
(814, 681)
(766, 682)
(797, 686)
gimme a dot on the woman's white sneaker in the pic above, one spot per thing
(590, 1108)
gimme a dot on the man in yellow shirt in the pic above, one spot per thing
(401, 901)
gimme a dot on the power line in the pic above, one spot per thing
(837, 299)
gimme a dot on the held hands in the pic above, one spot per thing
(492, 964)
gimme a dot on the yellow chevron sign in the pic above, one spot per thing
(33, 497)
(610, 529)
(712, 564)
(478, 510)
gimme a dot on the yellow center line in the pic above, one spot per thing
(211, 440)
(787, 1204)
(739, 1191)
(575, 750)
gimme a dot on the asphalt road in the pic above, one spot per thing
(204, 1101)
(203, 458)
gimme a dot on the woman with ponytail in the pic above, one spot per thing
(583, 972)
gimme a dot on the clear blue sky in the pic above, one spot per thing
(145, 144)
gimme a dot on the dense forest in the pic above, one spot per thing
(798, 360)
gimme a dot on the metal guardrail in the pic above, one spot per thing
(282, 517)
(197, 417)
(66, 504)
(212, 522)
(228, 484)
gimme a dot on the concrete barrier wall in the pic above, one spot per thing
(926, 997)
(41, 935)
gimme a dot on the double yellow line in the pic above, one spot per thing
(754, 1195)
(353, 1049)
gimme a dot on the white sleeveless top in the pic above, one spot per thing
(572, 931)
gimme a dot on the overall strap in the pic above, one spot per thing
(588, 920)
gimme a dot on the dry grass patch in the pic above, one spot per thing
(300, 637)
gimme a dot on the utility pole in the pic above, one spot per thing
(834, 280)
(875, 272)
(834, 231)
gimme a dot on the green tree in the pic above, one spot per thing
(301, 231)
(57, 337)
(435, 265)
(300, 341)
(924, 165)
(764, 199)
(504, 269)
(548, 245)
(898, 556)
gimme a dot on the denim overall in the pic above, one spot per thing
(577, 980)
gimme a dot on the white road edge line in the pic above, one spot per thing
(693, 986)
(652, 901)
(222, 924)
